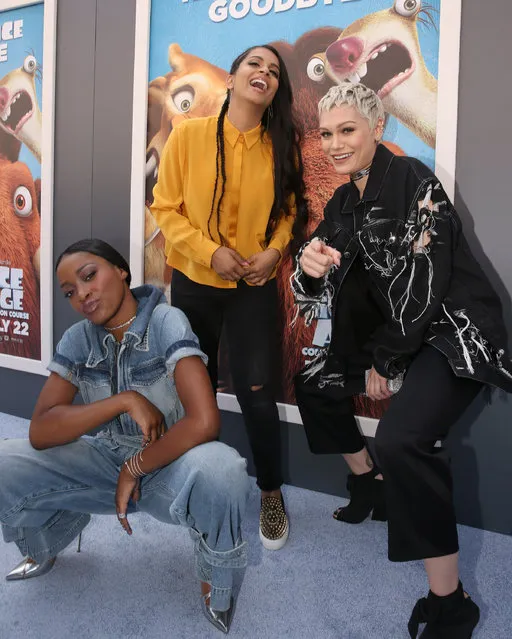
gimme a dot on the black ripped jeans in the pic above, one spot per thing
(249, 315)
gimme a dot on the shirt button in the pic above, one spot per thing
(347, 255)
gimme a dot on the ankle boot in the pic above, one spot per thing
(366, 495)
(451, 617)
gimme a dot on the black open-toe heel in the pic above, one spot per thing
(366, 496)
(452, 617)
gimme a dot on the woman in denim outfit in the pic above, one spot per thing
(142, 377)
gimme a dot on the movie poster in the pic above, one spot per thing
(391, 46)
(22, 264)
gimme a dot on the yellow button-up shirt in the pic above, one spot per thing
(183, 197)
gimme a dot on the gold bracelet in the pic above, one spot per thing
(133, 465)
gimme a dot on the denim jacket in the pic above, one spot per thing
(430, 287)
(89, 357)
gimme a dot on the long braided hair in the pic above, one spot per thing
(279, 122)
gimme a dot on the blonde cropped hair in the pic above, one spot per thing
(366, 101)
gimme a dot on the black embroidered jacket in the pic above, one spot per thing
(432, 289)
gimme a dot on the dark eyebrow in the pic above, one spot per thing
(272, 64)
(78, 271)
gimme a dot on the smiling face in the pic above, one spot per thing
(94, 287)
(347, 139)
(257, 78)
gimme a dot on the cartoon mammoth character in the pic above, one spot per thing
(20, 230)
(382, 50)
(20, 115)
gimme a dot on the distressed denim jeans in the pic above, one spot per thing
(47, 497)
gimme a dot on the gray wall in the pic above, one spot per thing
(92, 176)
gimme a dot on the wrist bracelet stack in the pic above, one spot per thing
(133, 465)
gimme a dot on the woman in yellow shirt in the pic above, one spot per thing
(229, 199)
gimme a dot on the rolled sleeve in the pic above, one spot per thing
(63, 362)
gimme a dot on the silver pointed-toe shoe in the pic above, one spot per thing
(29, 568)
(221, 619)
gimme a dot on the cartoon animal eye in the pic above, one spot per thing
(30, 64)
(22, 201)
(316, 69)
(183, 99)
(407, 8)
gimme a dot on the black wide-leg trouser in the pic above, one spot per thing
(418, 479)
(417, 474)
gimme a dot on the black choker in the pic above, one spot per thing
(360, 174)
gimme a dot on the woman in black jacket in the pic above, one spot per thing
(410, 306)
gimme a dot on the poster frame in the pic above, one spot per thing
(47, 171)
(445, 159)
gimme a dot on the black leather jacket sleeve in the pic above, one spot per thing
(421, 275)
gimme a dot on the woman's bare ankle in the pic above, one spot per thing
(271, 493)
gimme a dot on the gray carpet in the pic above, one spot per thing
(330, 581)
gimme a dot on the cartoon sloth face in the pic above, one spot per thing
(382, 50)
(19, 111)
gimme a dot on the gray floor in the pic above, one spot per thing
(330, 581)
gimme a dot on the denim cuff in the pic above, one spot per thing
(64, 368)
(47, 541)
(216, 568)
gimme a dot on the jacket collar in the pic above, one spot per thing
(380, 166)
(148, 298)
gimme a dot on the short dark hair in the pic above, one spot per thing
(100, 249)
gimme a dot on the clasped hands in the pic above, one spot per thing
(255, 270)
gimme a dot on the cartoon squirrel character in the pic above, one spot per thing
(382, 50)
(20, 115)
(20, 230)
(194, 88)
